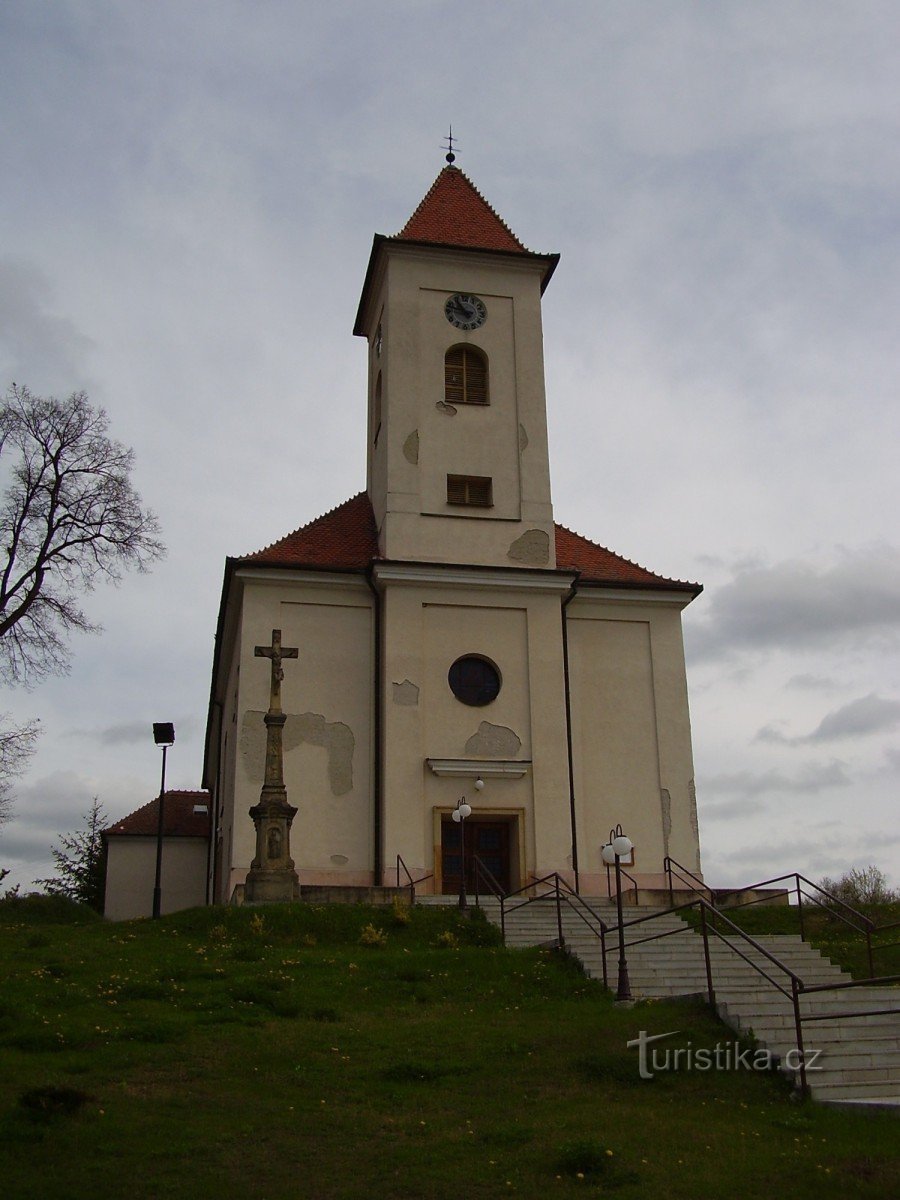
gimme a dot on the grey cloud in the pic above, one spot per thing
(870, 714)
(795, 605)
(37, 348)
(810, 683)
(811, 778)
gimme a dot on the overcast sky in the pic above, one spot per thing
(189, 193)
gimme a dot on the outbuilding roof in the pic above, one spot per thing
(179, 817)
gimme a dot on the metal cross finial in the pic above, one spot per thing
(451, 157)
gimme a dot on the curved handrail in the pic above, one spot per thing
(685, 876)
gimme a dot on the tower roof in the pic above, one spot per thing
(454, 213)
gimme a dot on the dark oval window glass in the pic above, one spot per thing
(474, 680)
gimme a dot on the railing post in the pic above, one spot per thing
(709, 979)
(800, 907)
(603, 954)
(869, 951)
(503, 918)
(398, 870)
(562, 940)
(798, 1026)
(669, 876)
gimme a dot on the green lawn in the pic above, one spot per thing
(269, 1054)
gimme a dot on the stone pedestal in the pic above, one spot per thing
(272, 876)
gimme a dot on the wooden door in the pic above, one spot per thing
(487, 839)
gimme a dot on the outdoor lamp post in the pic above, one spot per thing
(618, 847)
(463, 809)
(163, 735)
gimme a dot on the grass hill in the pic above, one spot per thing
(372, 1054)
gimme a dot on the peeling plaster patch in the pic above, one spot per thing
(523, 438)
(692, 816)
(665, 800)
(339, 860)
(493, 741)
(309, 728)
(411, 448)
(532, 547)
(447, 409)
(406, 693)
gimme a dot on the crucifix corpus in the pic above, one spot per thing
(272, 876)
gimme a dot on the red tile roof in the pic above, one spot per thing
(596, 564)
(179, 818)
(454, 213)
(346, 538)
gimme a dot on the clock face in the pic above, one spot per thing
(465, 312)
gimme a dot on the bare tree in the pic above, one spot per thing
(69, 517)
(17, 744)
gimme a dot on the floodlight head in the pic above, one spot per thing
(163, 733)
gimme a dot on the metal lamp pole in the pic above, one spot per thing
(163, 735)
(616, 848)
(463, 809)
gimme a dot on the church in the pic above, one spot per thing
(453, 640)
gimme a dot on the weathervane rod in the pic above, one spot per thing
(451, 157)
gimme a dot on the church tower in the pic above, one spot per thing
(458, 466)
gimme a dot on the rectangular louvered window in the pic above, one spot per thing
(474, 491)
(465, 376)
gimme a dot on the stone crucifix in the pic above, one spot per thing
(272, 875)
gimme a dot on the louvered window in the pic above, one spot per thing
(465, 376)
(471, 490)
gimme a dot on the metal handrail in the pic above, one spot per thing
(858, 921)
(685, 875)
(412, 882)
(622, 871)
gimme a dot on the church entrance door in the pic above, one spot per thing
(489, 840)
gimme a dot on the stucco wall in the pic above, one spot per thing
(327, 696)
(131, 873)
(631, 734)
(428, 627)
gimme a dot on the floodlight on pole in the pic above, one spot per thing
(163, 735)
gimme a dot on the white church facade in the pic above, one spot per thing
(448, 630)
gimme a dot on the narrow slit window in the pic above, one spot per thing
(472, 491)
(465, 376)
(376, 409)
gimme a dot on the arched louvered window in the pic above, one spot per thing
(465, 376)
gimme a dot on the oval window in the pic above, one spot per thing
(474, 680)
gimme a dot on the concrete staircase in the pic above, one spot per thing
(859, 1059)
